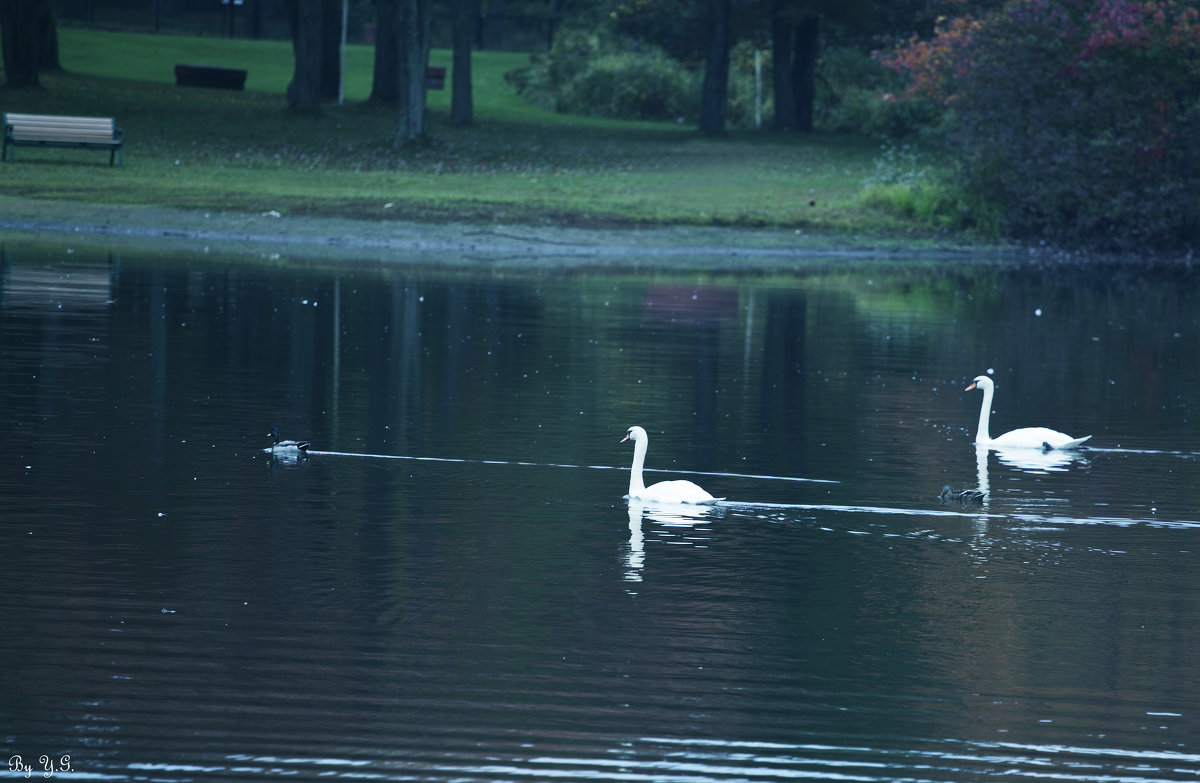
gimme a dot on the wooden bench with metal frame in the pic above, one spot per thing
(52, 130)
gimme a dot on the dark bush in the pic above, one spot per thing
(643, 85)
(1078, 119)
(858, 95)
(597, 73)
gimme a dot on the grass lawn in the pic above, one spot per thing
(243, 151)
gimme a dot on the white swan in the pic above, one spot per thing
(1024, 438)
(664, 491)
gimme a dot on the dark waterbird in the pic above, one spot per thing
(965, 496)
(293, 447)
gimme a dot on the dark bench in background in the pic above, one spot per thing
(210, 76)
(235, 78)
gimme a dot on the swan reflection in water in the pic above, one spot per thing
(677, 519)
(1024, 460)
(1033, 461)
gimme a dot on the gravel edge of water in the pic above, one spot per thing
(273, 235)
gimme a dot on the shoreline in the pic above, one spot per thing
(320, 238)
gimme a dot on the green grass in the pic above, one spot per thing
(243, 151)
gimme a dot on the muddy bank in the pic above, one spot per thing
(275, 235)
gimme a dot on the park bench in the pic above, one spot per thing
(210, 76)
(50, 130)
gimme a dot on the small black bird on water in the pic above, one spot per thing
(287, 446)
(965, 496)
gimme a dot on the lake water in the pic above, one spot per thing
(451, 587)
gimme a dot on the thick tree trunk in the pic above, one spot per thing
(254, 18)
(715, 90)
(385, 84)
(781, 71)
(331, 48)
(48, 32)
(794, 68)
(493, 25)
(304, 92)
(465, 13)
(19, 22)
(413, 36)
(804, 73)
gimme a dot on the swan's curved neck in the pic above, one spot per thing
(985, 413)
(636, 485)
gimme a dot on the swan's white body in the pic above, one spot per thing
(679, 491)
(1024, 438)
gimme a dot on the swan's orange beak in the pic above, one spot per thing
(972, 386)
(624, 438)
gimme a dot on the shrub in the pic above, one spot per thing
(901, 184)
(857, 94)
(642, 85)
(1076, 120)
(571, 55)
(597, 73)
(898, 166)
(879, 114)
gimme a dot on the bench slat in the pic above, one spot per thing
(48, 127)
(23, 134)
(54, 119)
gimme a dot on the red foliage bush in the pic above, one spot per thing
(1079, 119)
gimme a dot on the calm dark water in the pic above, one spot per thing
(452, 587)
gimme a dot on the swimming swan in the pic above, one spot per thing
(286, 446)
(664, 491)
(1024, 438)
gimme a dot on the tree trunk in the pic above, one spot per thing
(331, 49)
(716, 69)
(804, 71)
(254, 18)
(385, 84)
(304, 92)
(413, 36)
(493, 26)
(465, 13)
(48, 33)
(21, 42)
(781, 71)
